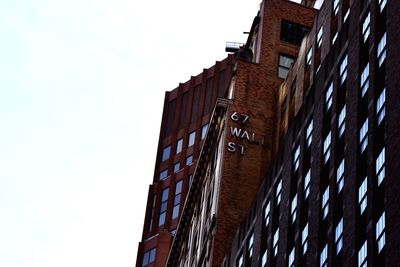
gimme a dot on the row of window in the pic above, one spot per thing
(166, 152)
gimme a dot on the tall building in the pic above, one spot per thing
(298, 164)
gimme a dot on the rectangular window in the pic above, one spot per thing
(319, 36)
(189, 160)
(328, 96)
(309, 57)
(364, 136)
(292, 32)
(325, 203)
(275, 242)
(267, 211)
(291, 258)
(296, 158)
(177, 167)
(339, 236)
(334, 38)
(380, 106)
(382, 4)
(304, 239)
(163, 174)
(149, 257)
(343, 70)
(309, 133)
(204, 131)
(306, 186)
(177, 199)
(362, 196)
(336, 7)
(250, 246)
(340, 176)
(166, 153)
(380, 167)
(285, 62)
(362, 255)
(293, 209)
(364, 80)
(380, 232)
(346, 16)
(366, 26)
(179, 144)
(341, 121)
(264, 259)
(327, 147)
(278, 190)
(381, 52)
(163, 206)
(192, 138)
(323, 258)
(240, 260)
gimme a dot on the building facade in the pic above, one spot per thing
(331, 195)
(187, 111)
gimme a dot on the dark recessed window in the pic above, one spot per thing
(292, 32)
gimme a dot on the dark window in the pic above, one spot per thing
(209, 94)
(292, 32)
(195, 105)
(222, 78)
(170, 117)
(183, 110)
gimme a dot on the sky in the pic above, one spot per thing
(82, 85)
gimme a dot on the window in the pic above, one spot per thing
(166, 153)
(293, 209)
(339, 236)
(149, 256)
(362, 196)
(382, 4)
(362, 255)
(307, 184)
(150, 226)
(163, 174)
(250, 245)
(381, 53)
(309, 133)
(380, 232)
(366, 26)
(278, 192)
(240, 260)
(380, 166)
(325, 203)
(364, 80)
(275, 242)
(323, 258)
(334, 38)
(179, 144)
(341, 121)
(177, 167)
(328, 96)
(285, 62)
(292, 32)
(296, 158)
(380, 106)
(291, 258)
(163, 207)
(343, 70)
(264, 259)
(204, 131)
(336, 6)
(346, 15)
(177, 199)
(327, 147)
(192, 138)
(340, 176)
(319, 36)
(364, 135)
(309, 56)
(304, 239)
(189, 160)
(267, 211)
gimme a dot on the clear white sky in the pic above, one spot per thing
(81, 91)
